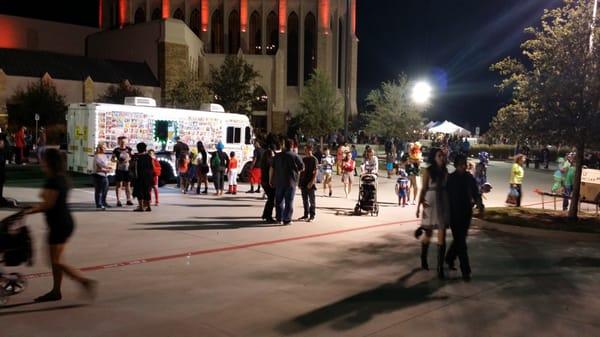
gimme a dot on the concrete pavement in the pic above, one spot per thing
(203, 266)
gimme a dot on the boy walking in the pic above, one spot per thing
(308, 181)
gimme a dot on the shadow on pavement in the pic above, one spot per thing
(191, 225)
(358, 309)
(577, 261)
(212, 205)
(21, 312)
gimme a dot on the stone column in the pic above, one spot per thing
(88, 90)
(324, 38)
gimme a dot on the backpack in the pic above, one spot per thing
(215, 161)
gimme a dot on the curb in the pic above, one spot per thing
(536, 232)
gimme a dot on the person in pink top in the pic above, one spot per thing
(348, 166)
(20, 145)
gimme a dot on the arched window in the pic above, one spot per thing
(155, 14)
(310, 45)
(340, 50)
(217, 32)
(255, 34)
(293, 50)
(195, 22)
(234, 32)
(272, 34)
(178, 14)
(140, 15)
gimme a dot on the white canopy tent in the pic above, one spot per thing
(449, 128)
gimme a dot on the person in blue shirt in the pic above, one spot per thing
(354, 153)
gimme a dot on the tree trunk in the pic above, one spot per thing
(574, 207)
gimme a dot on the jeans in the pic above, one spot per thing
(566, 196)
(100, 190)
(284, 203)
(308, 200)
(219, 179)
(270, 204)
(518, 188)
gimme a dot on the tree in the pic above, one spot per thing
(320, 112)
(38, 98)
(116, 94)
(188, 93)
(558, 88)
(392, 112)
(233, 84)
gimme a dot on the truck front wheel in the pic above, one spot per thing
(166, 174)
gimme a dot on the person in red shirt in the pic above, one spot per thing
(20, 145)
(348, 166)
(183, 166)
(232, 172)
(157, 171)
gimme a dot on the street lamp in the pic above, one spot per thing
(422, 92)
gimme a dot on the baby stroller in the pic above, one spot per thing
(15, 249)
(367, 195)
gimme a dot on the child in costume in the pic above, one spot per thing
(232, 173)
(402, 188)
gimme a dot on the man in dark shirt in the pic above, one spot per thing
(266, 162)
(284, 178)
(122, 156)
(308, 180)
(462, 194)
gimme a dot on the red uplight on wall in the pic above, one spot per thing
(244, 15)
(9, 36)
(100, 14)
(166, 9)
(204, 15)
(122, 13)
(282, 15)
(324, 15)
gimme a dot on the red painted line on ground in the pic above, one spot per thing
(221, 249)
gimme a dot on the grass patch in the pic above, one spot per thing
(32, 176)
(542, 219)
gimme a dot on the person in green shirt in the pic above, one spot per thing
(568, 171)
(517, 173)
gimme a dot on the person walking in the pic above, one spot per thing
(100, 176)
(308, 184)
(284, 178)
(157, 170)
(60, 225)
(354, 153)
(434, 200)
(20, 146)
(40, 144)
(142, 170)
(568, 171)
(370, 163)
(218, 164)
(232, 173)
(348, 168)
(462, 194)
(327, 167)
(266, 163)
(517, 173)
(122, 156)
(255, 170)
(203, 168)
(413, 170)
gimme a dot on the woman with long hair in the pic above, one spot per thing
(202, 169)
(60, 224)
(434, 200)
(143, 171)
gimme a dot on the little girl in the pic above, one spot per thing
(157, 171)
(183, 167)
(232, 172)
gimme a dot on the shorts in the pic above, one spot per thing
(347, 178)
(60, 235)
(255, 174)
(327, 178)
(389, 166)
(122, 176)
(402, 194)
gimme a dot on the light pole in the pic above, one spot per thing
(348, 68)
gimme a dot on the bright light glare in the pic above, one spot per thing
(422, 92)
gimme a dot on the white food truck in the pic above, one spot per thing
(89, 124)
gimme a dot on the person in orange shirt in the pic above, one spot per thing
(183, 167)
(232, 173)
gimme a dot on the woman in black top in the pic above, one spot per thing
(144, 178)
(202, 171)
(60, 223)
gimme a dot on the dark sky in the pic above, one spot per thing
(450, 42)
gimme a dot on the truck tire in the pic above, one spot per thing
(244, 175)
(166, 174)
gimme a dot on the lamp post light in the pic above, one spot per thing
(422, 92)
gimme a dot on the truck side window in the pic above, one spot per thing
(248, 135)
(229, 135)
(238, 136)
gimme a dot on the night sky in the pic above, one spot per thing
(450, 43)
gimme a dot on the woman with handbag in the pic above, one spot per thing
(517, 173)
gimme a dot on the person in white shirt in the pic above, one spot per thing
(370, 164)
(327, 166)
(101, 170)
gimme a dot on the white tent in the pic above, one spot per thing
(449, 128)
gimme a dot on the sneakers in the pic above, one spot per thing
(129, 203)
(119, 204)
(311, 219)
(303, 218)
(287, 223)
(330, 193)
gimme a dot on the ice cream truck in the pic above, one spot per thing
(89, 124)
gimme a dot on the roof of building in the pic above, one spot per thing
(18, 62)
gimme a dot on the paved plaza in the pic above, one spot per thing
(207, 266)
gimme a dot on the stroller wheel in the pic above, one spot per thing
(13, 284)
(356, 210)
